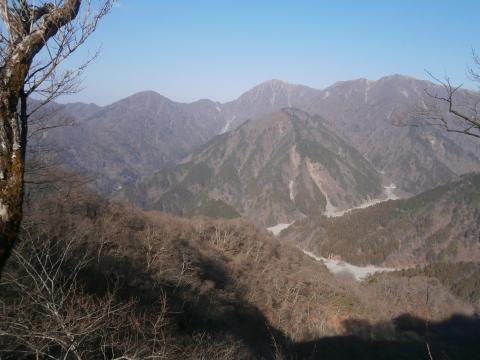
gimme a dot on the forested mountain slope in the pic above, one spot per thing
(277, 168)
(438, 225)
(126, 141)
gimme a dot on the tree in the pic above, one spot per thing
(35, 39)
(453, 110)
(48, 312)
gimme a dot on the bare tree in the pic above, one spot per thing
(35, 38)
(452, 108)
(46, 312)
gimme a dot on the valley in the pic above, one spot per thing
(407, 231)
(239, 180)
(271, 211)
(389, 194)
(285, 157)
(338, 266)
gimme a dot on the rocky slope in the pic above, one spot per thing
(276, 168)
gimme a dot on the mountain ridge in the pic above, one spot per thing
(263, 83)
(281, 166)
(156, 132)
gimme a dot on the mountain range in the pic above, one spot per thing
(135, 142)
(282, 166)
(121, 142)
(324, 164)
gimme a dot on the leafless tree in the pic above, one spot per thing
(35, 38)
(452, 108)
(45, 312)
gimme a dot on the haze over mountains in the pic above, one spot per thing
(279, 167)
(284, 155)
(125, 143)
(133, 137)
(262, 220)
(415, 158)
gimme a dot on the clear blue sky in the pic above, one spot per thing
(217, 49)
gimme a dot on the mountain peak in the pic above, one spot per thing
(276, 87)
(287, 156)
(274, 82)
(150, 94)
(148, 99)
(270, 85)
(398, 77)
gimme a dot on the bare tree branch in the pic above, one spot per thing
(36, 37)
(451, 108)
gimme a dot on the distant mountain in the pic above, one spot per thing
(264, 98)
(440, 225)
(143, 133)
(277, 168)
(365, 112)
(134, 137)
(146, 132)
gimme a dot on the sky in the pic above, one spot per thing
(218, 49)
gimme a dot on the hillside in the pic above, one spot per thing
(277, 168)
(367, 113)
(416, 158)
(126, 141)
(136, 283)
(122, 142)
(440, 225)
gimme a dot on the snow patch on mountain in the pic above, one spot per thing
(389, 195)
(359, 273)
(290, 190)
(277, 229)
(317, 179)
(331, 211)
(227, 124)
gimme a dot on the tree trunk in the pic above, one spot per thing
(12, 158)
(29, 30)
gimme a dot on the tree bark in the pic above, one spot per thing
(12, 161)
(25, 44)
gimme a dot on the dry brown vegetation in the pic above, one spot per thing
(93, 279)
